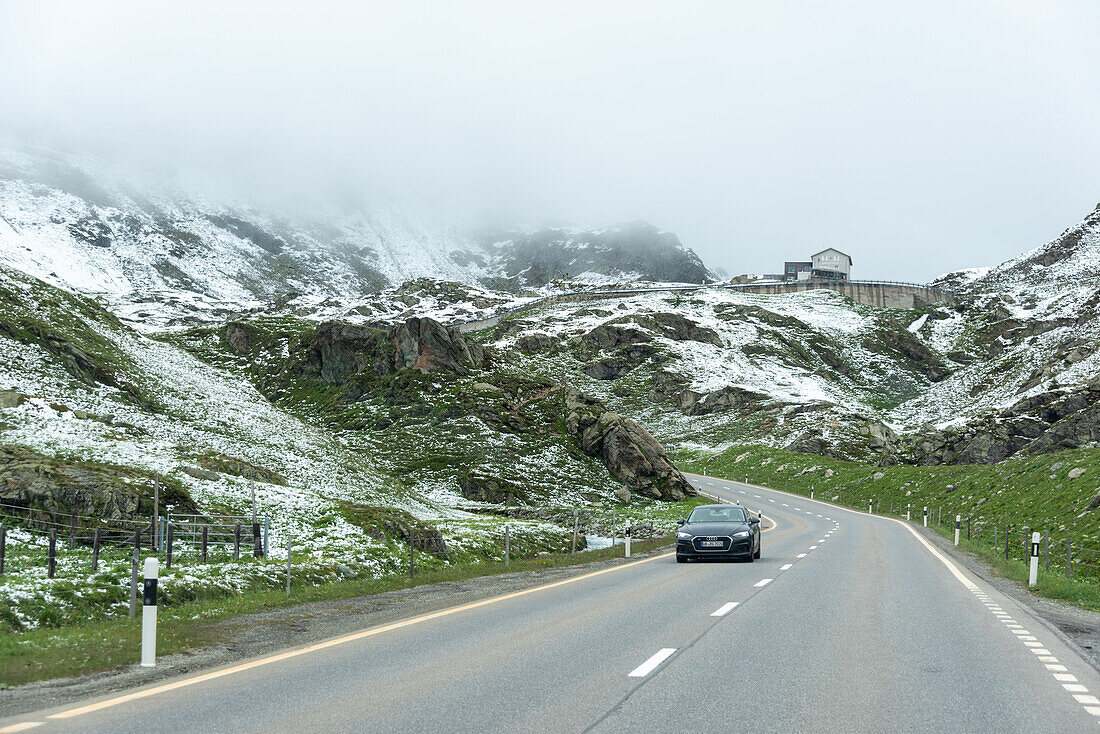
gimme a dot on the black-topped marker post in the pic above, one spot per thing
(149, 614)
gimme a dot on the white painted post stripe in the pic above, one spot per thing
(724, 609)
(762, 582)
(785, 567)
(647, 667)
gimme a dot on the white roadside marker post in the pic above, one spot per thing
(1033, 577)
(870, 508)
(626, 536)
(149, 614)
(925, 517)
(811, 492)
(958, 522)
(908, 508)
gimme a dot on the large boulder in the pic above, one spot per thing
(427, 345)
(629, 451)
(484, 488)
(339, 351)
(720, 401)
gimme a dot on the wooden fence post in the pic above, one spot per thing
(257, 546)
(205, 537)
(237, 542)
(3, 547)
(53, 553)
(95, 551)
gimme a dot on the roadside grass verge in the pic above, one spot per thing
(44, 653)
(1014, 497)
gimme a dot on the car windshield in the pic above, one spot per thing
(717, 514)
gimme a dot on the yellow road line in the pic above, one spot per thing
(202, 678)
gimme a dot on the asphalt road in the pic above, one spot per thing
(848, 623)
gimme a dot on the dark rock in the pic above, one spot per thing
(427, 345)
(720, 401)
(484, 488)
(241, 468)
(620, 363)
(666, 385)
(51, 488)
(11, 399)
(340, 350)
(629, 451)
(536, 343)
(612, 336)
(197, 473)
(237, 337)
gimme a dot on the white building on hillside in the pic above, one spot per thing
(831, 263)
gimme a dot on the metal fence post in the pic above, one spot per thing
(205, 537)
(289, 544)
(267, 533)
(257, 543)
(168, 546)
(156, 511)
(507, 547)
(573, 552)
(1069, 557)
(412, 555)
(1006, 542)
(237, 542)
(52, 567)
(1047, 554)
(95, 551)
(3, 547)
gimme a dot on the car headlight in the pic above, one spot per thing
(683, 534)
(742, 534)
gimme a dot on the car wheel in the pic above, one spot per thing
(749, 557)
(757, 553)
(680, 558)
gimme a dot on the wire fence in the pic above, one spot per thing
(32, 539)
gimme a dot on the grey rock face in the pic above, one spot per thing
(629, 451)
(720, 401)
(47, 486)
(426, 345)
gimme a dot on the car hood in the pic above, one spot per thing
(715, 528)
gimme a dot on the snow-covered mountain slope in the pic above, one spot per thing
(75, 223)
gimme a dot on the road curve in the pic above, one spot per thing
(847, 623)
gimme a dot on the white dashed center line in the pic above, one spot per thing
(762, 582)
(647, 667)
(724, 609)
(785, 567)
(801, 555)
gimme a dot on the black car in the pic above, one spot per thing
(718, 531)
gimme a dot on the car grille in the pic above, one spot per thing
(707, 543)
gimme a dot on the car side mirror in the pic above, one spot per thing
(754, 520)
(681, 521)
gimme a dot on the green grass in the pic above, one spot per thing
(105, 645)
(1033, 492)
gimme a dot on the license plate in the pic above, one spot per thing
(711, 544)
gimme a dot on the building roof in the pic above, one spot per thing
(833, 249)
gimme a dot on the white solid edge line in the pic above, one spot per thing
(332, 642)
(647, 667)
(763, 582)
(725, 609)
(21, 726)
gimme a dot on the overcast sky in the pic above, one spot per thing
(919, 139)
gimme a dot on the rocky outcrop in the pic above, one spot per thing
(340, 351)
(610, 336)
(427, 345)
(483, 488)
(908, 349)
(720, 401)
(1050, 421)
(629, 451)
(51, 489)
(620, 363)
